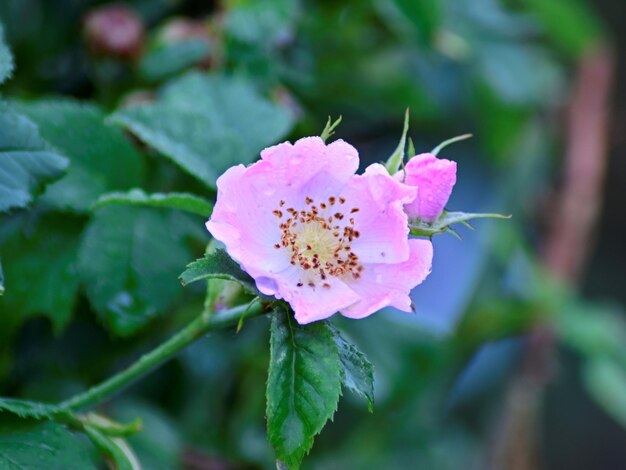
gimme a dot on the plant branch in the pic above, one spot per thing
(165, 351)
(567, 247)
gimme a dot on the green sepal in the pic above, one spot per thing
(330, 127)
(419, 228)
(397, 157)
(445, 143)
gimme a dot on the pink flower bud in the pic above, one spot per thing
(114, 31)
(434, 178)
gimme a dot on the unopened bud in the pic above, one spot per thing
(114, 31)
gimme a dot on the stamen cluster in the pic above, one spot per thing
(319, 237)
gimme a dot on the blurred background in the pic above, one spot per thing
(516, 357)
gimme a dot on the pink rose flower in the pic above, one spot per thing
(434, 178)
(312, 232)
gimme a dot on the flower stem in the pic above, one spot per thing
(162, 353)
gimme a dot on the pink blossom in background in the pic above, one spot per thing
(312, 232)
(434, 178)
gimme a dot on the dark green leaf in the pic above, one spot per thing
(303, 387)
(28, 445)
(218, 265)
(181, 201)
(6, 59)
(358, 372)
(129, 260)
(1, 280)
(444, 222)
(102, 158)
(207, 124)
(28, 409)
(40, 268)
(168, 59)
(605, 381)
(27, 162)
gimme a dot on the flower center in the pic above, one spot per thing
(319, 239)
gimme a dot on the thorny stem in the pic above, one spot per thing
(204, 323)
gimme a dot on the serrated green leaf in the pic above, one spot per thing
(29, 409)
(6, 59)
(102, 158)
(303, 387)
(115, 450)
(218, 265)
(207, 123)
(166, 60)
(605, 380)
(445, 221)
(30, 445)
(27, 163)
(129, 259)
(181, 201)
(358, 372)
(35, 290)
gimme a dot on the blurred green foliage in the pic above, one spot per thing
(86, 287)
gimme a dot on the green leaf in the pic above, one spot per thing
(102, 158)
(218, 265)
(303, 387)
(6, 59)
(181, 201)
(129, 259)
(572, 25)
(358, 372)
(166, 60)
(27, 162)
(605, 380)
(397, 157)
(35, 290)
(425, 15)
(443, 223)
(261, 23)
(29, 409)
(593, 330)
(207, 123)
(115, 450)
(1, 280)
(28, 445)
